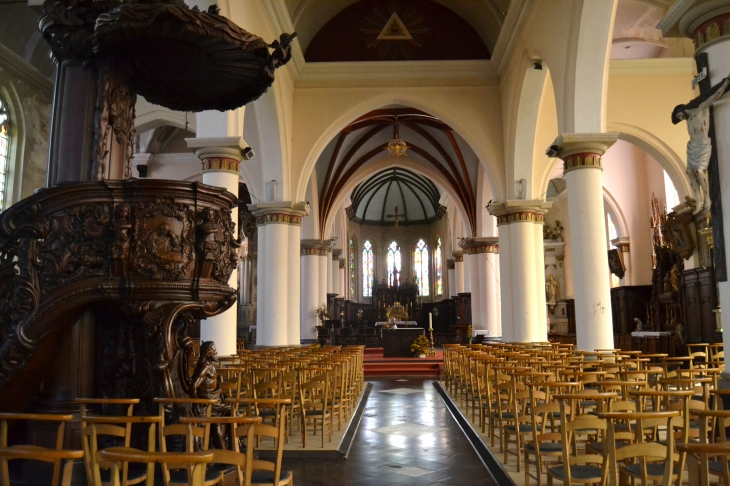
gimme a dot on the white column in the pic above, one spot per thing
(344, 281)
(280, 264)
(706, 24)
(323, 274)
(542, 325)
(496, 258)
(220, 158)
(490, 289)
(521, 262)
(718, 54)
(581, 153)
(294, 286)
(467, 267)
(524, 276)
(330, 282)
(335, 271)
(505, 282)
(311, 251)
(451, 278)
(458, 272)
(477, 295)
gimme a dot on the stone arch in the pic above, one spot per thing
(667, 158)
(525, 130)
(487, 154)
(613, 208)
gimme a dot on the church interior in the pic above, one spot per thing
(364, 242)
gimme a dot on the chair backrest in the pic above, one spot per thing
(568, 428)
(196, 460)
(58, 456)
(645, 451)
(119, 427)
(243, 462)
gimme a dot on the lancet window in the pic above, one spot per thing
(394, 264)
(438, 268)
(420, 263)
(4, 151)
(368, 269)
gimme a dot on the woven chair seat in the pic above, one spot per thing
(578, 472)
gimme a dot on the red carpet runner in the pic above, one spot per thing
(376, 365)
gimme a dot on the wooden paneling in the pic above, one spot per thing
(699, 299)
(628, 303)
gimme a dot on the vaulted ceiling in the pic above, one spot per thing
(396, 191)
(432, 146)
(484, 16)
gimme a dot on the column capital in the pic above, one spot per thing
(701, 20)
(582, 150)
(315, 247)
(520, 211)
(458, 255)
(336, 253)
(473, 246)
(450, 264)
(622, 243)
(279, 212)
(342, 263)
(218, 153)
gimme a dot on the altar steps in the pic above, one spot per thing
(376, 365)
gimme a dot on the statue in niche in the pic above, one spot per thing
(551, 291)
(699, 147)
(558, 231)
(639, 325)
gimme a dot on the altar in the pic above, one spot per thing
(397, 342)
(397, 324)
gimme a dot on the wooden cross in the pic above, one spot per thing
(396, 216)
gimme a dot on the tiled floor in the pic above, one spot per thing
(407, 437)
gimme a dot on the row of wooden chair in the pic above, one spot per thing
(531, 395)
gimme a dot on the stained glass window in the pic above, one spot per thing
(420, 263)
(367, 269)
(353, 270)
(393, 264)
(4, 150)
(438, 269)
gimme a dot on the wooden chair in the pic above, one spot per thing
(119, 427)
(196, 461)
(718, 466)
(172, 473)
(123, 406)
(545, 443)
(314, 397)
(270, 473)
(58, 456)
(584, 468)
(650, 461)
(242, 461)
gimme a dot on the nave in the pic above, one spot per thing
(407, 436)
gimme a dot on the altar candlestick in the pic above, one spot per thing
(430, 320)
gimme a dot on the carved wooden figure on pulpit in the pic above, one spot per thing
(204, 384)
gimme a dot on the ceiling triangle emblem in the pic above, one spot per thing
(394, 29)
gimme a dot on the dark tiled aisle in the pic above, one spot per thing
(407, 436)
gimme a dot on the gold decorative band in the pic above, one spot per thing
(221, 163)
(711, 30)
(580, 161)
(481, 249)
(278, 218)
(458, 258)
(520, 216)
(314, 251)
